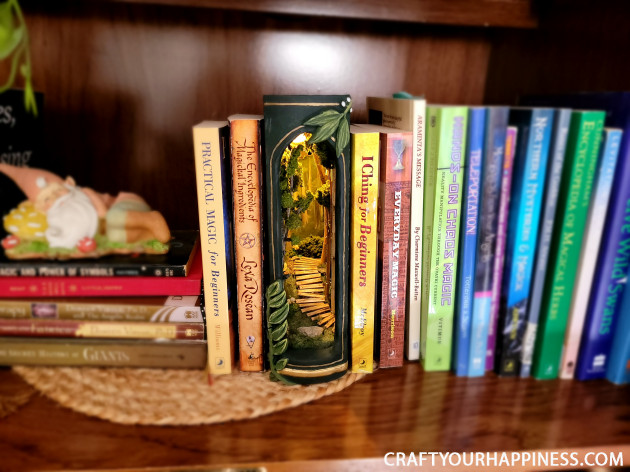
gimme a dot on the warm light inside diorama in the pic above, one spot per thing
(302, 138)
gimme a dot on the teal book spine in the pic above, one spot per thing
(618, 368)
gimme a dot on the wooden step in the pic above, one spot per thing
(309, 301)
(318, 312)
(326, 317)
(310, 285)
(314, 307)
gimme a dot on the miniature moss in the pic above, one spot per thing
(290, 287)
(297, 340)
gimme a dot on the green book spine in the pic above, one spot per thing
(444, 164)
(581, 157)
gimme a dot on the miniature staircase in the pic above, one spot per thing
(310, 291)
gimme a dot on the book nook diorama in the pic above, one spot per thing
(60, 220)
(307, 177)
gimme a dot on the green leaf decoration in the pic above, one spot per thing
(278, 300)
(14, 46)
(281, 331)
(274, 288)
(281, 364)
(281, 347)
(30, 104)
(10, 34)
(343, 137)
(325, 131)
(277, 330)
(280, 315)
(323, 118)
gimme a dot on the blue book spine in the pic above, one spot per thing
(552, 187)
(610, 275)
(468, 239)
(618, 369)
(491, 176)
(534, 135)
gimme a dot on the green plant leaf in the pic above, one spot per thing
(273, 288)
(274, 377)
(280, 315)
(325, 131)
(280, 332)
(281, 364)
(281, 347)
(323, 118)
(343, 136)
(10, 34)
(278, 300)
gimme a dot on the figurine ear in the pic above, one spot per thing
(70, 181)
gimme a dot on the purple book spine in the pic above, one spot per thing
(504, 205)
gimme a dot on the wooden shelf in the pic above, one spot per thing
(391, 410)
(124, 81)
(503, 13)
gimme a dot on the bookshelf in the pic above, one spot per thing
(124, 81)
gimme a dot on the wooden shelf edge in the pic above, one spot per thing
(378, 463)
(487, 13)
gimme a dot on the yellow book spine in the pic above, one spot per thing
(211, 144)
(246, 185)
(364, 247)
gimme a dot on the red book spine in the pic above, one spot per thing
(38, 287)
(393, 215)
(103, 330)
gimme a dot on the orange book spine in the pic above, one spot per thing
(246, 184)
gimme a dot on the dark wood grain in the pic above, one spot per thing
(125, 83)
(392, 410)
(505, 13)
(577, 48)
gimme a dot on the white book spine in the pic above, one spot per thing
(412, 345)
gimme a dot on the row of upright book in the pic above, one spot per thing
(470, 238)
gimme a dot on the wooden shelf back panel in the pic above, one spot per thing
(123, 84)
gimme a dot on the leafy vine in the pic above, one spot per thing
(277, 330)
(14, 44)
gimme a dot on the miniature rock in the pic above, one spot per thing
(311, 331)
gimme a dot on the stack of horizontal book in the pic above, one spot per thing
(119, 310)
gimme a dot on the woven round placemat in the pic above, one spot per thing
(171, 397)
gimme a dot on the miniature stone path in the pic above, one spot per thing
(311, 291)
